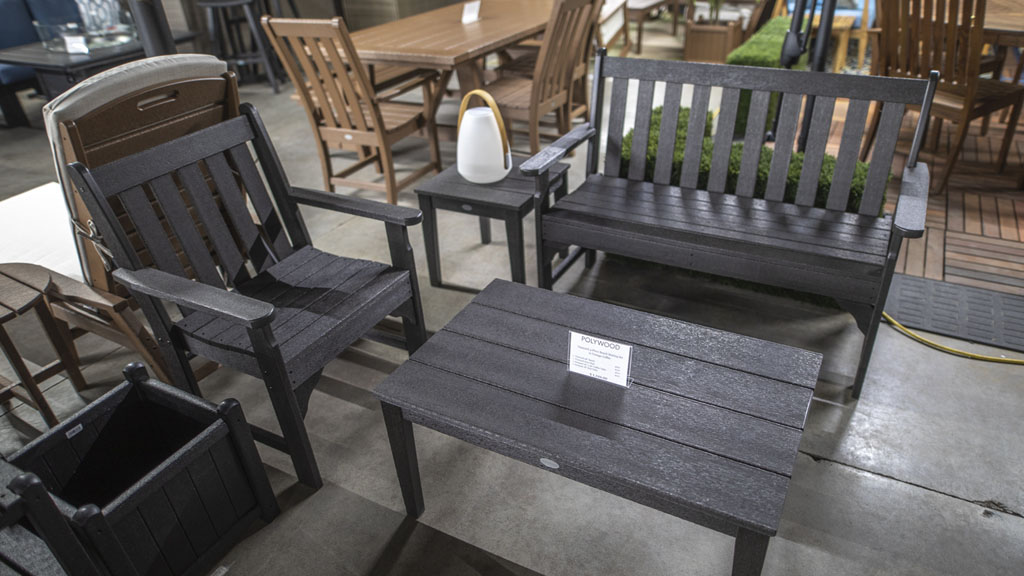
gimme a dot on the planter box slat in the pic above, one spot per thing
(165, 528)
(189, 509)
(212, 493)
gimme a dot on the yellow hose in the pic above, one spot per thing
(914, 335)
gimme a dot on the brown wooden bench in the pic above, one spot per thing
(794, 237)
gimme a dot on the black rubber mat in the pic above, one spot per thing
(972, 314)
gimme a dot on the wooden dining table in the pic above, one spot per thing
(438, 39)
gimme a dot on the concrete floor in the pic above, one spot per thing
(921, 476)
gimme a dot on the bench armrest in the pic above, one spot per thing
(912, 205)
(548, 157)
(219, 302)
(357, 206)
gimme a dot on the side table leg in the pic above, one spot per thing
(748, 556)
(403, 449)
(430, 239)
(516, 252)
(485, 230)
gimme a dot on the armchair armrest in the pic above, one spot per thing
(546, 158)
(358, 207)
(912, 205)
(219, 302)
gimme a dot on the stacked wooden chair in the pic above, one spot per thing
(344, 109)
(264, 301)
(948, 37)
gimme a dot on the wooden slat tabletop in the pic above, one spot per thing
(708, 431)
(439, 39)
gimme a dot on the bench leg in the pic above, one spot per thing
(403, 450)
(748, 556)
(876, 315)
(430, 239)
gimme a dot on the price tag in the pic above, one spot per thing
(470, 12)
(76, 45)
(601, 359)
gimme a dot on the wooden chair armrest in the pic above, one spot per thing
(230, 306)
(387, 213)
(548, 157)
(912, 205)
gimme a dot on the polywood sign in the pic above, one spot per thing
(599, 358)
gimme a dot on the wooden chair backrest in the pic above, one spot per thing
(892, 94)
(136, 122)
(919, 36)
(324, 67)
(565, 43)
(201, 170)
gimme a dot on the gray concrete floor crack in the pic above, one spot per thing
(989, 505)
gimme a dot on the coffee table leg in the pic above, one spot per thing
(485, 230)
(748, 556)
(403, 449)
(430, 239)
(516, 255)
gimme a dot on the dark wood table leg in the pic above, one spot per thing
(748, 556)
(430, 239)
(516, 252)
(403, 449)
(485, 230)
(28, 381)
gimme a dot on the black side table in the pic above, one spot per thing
(508, 200)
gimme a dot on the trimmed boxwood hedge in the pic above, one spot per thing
(763, 50)
(764, 165)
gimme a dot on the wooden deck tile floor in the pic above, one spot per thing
(975, 230)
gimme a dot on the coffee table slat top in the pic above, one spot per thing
(512, 192)
(708, 431)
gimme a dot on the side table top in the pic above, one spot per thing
(708, 431)
(513, 192)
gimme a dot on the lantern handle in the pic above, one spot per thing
(497, 116)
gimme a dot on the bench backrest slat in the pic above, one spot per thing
(695, 136)
(814, 153)
(642, 129)
(881, 157)
(748, 96)
(723, 140)
(752, 141)
(667, 134)
(616, 120)
(789, 119)
(849, 150)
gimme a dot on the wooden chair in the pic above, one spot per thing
(343, 107)
(947, 37)
(579, 99)
(265, 301)
(549, 88)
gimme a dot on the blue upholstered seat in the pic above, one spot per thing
(15, 29)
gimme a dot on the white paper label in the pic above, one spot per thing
(601, 359)
(73, 431)
(76, 45)
(470, 12)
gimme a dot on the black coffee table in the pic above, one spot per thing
(58, 71)
(708, 432)
(509, 200)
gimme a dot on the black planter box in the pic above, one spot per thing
(152, 479)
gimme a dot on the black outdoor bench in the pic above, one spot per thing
(796, 238)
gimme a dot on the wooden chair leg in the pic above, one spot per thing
(390, 183)
(862, 50)
(61, 346)
(935, 131)
(1011, 128)
(534, 133)
(325, 164)
(954, 156)
(28, 382)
